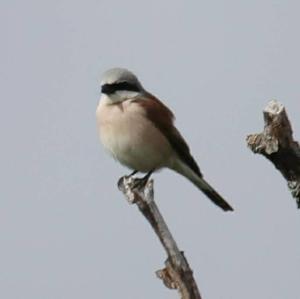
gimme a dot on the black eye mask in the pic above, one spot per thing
(111, 88)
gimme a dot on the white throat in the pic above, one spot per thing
(120, 96)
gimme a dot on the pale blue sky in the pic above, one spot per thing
(65, 230)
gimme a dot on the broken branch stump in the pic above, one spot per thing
(276, 143)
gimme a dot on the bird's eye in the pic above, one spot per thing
(111, 88)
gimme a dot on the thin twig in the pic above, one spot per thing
(276, 143)
(177, 273)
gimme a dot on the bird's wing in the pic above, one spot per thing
(163, 118)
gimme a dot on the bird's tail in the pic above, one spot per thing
(204, 186)
(212, 194)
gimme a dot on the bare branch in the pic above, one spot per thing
(177, 273)
(276, 143)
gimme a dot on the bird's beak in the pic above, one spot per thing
(107, 89)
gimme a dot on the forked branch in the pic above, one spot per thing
(276, 143)
(177, 273)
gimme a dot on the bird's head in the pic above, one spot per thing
(120, 84)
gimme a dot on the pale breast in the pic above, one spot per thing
(131, 138)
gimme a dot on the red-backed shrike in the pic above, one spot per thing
(137, 130)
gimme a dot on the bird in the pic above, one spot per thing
(137, 129)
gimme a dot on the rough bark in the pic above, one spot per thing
(177, 273)
(276, 143)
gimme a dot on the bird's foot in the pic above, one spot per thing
(140, 183)
(134, 183)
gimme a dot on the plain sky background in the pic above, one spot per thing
(65, 229)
